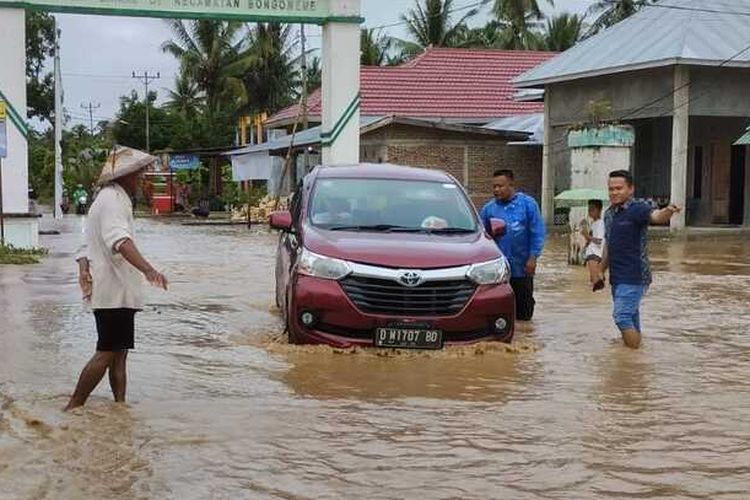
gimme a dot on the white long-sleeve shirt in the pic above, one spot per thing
(116, 283)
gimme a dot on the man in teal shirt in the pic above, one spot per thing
(523, 241)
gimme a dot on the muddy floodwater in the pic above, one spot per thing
(219, 407)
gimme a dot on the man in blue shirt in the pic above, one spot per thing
(626, 252)
(523, 241)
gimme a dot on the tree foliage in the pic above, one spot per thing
(430, 24)
(40, 46)
(375, 48)
(271, 77)
(611, 12)
(563, 31)
(210, 56)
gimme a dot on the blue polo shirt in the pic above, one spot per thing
(626, 228)
(525, 232)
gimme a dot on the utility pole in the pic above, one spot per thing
(58, 128)
(90, 108)
(146, 79)
(305, 122)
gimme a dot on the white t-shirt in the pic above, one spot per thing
(116, 283)
(597, 231)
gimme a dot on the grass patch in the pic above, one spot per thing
(20, 256)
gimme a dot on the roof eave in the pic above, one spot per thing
(672, 61)
(288, 122)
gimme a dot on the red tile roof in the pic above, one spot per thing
(463, 84)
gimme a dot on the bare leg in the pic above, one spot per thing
(118, 375)
(593, 268)
(90, 377)
(631, 338)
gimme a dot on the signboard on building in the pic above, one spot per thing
(3, 132)
(306, 11)
(184, 162)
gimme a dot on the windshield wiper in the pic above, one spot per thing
(388, 228)
(450, 230)
(376, 227)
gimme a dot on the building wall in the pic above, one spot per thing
(470, 158)
(633, 95)
(719, 110)
(719, 92)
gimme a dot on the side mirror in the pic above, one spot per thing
(497, 228)
(281, 220)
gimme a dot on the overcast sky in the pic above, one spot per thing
(100, 53)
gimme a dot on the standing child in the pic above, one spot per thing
(595, 244)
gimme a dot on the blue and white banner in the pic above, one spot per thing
(184, 162)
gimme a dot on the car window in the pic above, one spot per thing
(402, 203)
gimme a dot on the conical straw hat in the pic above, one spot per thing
(123, 161)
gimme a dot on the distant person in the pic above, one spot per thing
(110, 267)
(626, 252)
(523, 241)
(594, 251)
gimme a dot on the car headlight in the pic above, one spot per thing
(489, 273)
(319, 266)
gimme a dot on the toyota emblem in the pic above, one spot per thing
(410, 278)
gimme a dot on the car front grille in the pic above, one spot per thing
(384, 296)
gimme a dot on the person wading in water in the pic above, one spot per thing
(626, 252)
(110, 268)
(523, 241)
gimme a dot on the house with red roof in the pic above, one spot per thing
(469, 86)
(440, 110)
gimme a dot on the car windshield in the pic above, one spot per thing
(391, 205)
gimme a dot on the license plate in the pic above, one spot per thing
(409, 338)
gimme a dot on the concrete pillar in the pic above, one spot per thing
(13, 88)
(340, 92)
(680, 139)
(548, 170)
(21, 228)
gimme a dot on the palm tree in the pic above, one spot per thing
(429, 24)
(271, 78)
(210, 55)
(314, 75)
(563, 32)
(487, 36)
(186, 98)
(610, 12)
(519, 20)
(375, 48)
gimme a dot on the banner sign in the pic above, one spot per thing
(303, 11)
(184, 162)
(3, 132)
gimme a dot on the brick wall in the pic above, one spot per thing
(457, 153)
(526, 163)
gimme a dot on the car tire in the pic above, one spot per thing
(288, 323)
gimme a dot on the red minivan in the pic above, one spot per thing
(379, 255)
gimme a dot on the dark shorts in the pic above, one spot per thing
(116, 329)
(594, 258)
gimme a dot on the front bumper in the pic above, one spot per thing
(340, 323)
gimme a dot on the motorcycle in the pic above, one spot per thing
(82, 203)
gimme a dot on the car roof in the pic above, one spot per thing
(382, 171)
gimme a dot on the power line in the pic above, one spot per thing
(698, 9)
